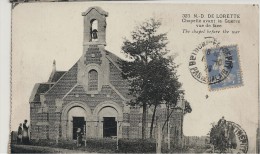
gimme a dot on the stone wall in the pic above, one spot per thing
(93, 55)
(34, 118)
(131, 124)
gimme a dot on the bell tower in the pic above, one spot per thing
(95, 26)
(93, 66)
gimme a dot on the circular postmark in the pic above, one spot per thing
(229, 137)
(241, 137)
(205, 72)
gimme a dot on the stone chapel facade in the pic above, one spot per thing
(91, 95)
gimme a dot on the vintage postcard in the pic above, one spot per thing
(134, 77)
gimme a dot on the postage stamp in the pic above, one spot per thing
(223, 67)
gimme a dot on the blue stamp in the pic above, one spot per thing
(223, 67)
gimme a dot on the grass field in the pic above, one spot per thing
(98, 146)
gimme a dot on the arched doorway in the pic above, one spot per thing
(110, 117)
(75, 115)
(77, 120)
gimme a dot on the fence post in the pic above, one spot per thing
(159, 137)
(117, 134)
(168, 131)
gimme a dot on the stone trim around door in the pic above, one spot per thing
(119, 117)
(66, 134)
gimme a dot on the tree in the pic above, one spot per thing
(165, 86)
(144, 47)
(222, 136)
(218, 139)
(152, 75)
(187, 109)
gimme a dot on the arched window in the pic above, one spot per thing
(94, 30)
(92, 80)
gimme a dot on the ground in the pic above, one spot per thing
(47, 149)
(41, 149)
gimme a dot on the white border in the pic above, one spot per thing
(5, 48)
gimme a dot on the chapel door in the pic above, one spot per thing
(78, 122)
(109, 127)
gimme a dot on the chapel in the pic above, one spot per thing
(92, 95)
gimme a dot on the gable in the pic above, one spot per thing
(115, 77)
(65, 83)
(96, 8)
(78, 93)
(56, 76)
(39, 88)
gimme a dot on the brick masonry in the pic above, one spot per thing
(50, 113)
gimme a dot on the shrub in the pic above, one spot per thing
(92, 145)
(108, 145)
(137, 146)
(101, 145)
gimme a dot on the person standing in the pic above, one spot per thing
(25, 136)
(79, 137)
(19, 134)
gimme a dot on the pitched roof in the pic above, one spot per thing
(56, 76)
(65, 83)
(114, 57)
(61, 82)
(98, 9)
(39, 88)
(119, 83)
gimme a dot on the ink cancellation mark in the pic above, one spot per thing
(197, 66)
(223, 67)
(239, 143)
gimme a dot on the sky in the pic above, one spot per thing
(44, 32)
